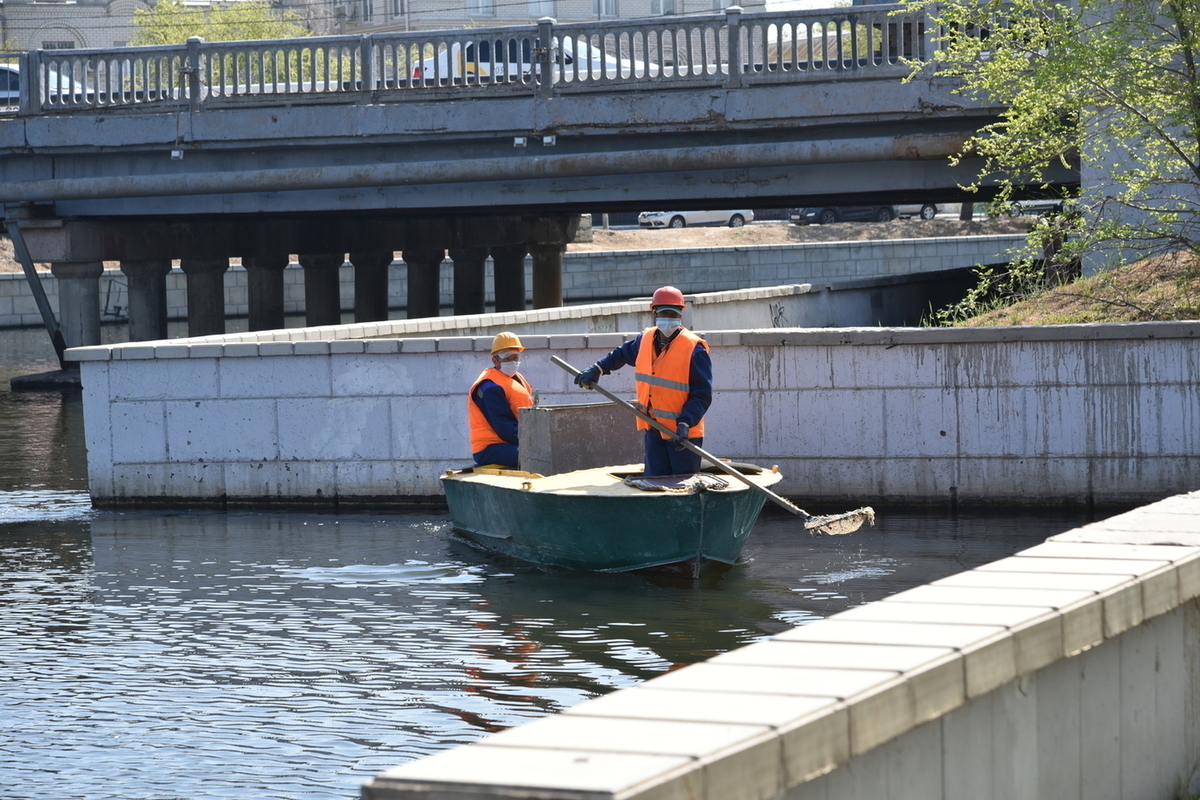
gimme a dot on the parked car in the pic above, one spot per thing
(682, 219)
(825, 215)
(1049, 205)
(513, 60)
(924, 211)
(10, 87)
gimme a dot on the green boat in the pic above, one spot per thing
(607, 519)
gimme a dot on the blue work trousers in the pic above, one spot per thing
(664, 457)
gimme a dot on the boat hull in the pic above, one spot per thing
(590, 521)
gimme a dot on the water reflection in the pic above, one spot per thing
(207, 655)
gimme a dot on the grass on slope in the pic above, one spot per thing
(1161, 288)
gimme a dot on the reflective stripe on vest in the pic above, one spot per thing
(519, 394)
(663, 380)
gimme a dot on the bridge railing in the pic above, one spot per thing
(724, 49)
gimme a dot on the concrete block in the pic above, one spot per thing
(1160, 591)
(205, 350)
(315, 348)
(989, 664)
(280, 479)
(721, 706)
(276, 349)
(1082, 625)
(1189, 577)
(832, 655)
(455, 344)
(334, 429)
(937, 688)
(221, 430)
(294, 376)
(751, 772)
(815, 744)
(772, 680)
(1123, 609)
(138, 432)
(944, 613)
(862, 631)
(241, 350)
(979, 595)
(429, 428)
(880, 715)
(517, 770)
(1038, 644)
(157, 380)
(194, 481)
(1093, 582)
(645, 737)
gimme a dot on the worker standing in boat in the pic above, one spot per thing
(494, 405)
(673, 371)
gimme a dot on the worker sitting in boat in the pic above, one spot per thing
(673, 372)
(495, 402)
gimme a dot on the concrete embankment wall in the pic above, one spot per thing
(1070, 670)
(587, 277)
(371, 413)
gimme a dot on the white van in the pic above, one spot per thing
(498, 60)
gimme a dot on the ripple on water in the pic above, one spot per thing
(44, 505)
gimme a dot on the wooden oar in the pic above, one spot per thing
(828, 525)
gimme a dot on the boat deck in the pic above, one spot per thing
(597, 482)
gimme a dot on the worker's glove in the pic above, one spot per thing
(681, 432)
(589, 377)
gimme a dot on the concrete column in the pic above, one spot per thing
(547, 274)
(371, 285)
(264, 282)
(508, 276)
(322, 294)
(205, 294)
(79, 301)
(469, 264)
(424, 267)
(147, 298)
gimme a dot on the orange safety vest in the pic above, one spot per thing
(519, 393)
(663, 380)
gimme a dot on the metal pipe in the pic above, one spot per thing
(39, 292)
(684, 159)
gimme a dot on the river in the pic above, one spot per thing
(150, 655)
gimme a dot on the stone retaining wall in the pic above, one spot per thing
(373, 413)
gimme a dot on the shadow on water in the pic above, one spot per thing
(270, 655)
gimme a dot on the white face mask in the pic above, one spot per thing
(510, 367)
(668, 325)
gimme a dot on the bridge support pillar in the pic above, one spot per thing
(508, 276)
(424, 270)
(264, 283)
(147, 298)
(205, 294)
(469, 269)
(79, 300)
(547, 274)
(322, 293)
(371, 285)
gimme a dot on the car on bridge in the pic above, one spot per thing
(682, 219)
(827, 215)
(56, 87)
(514, 60)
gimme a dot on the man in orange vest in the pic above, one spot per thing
(494, 405)
(673, 371)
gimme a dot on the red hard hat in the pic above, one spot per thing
(667, 296)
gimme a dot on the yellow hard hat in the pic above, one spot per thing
(506, 341)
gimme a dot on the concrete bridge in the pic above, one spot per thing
(484, 143)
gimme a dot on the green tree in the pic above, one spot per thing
(174, 22)
(1108, 84)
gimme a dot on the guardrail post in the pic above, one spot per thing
(733, 33)
(546, 57)
(367, 54)
(31, 86)
(192, 70)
